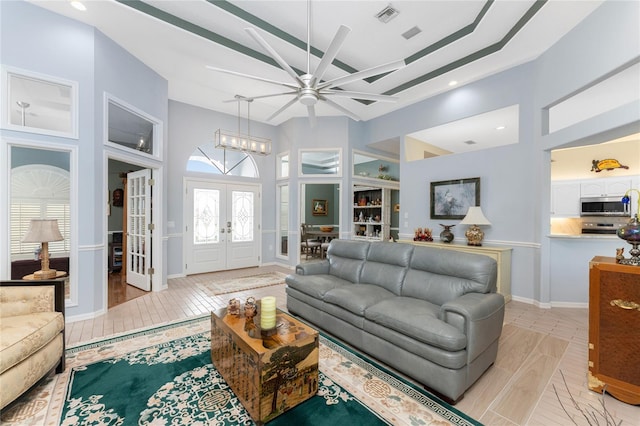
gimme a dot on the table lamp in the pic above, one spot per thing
(43, 231)
(474, 218)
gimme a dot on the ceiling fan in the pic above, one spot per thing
(309, 88)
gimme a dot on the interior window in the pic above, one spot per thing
(208, 159)
(39, 191)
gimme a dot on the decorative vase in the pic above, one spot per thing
(631, 234)
(446, 236)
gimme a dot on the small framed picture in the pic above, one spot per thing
(451, 199)
(319, 208)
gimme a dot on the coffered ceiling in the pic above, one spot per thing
(459, 41)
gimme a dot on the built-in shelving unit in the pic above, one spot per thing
(371, 213)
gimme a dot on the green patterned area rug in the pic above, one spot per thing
(164, 376)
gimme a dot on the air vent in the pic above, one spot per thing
(469, 142)
(411, 33)
(387, 14)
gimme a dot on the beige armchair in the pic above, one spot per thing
(31, 334)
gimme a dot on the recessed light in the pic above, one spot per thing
(501, 127)
(453, 83)
(78, 5)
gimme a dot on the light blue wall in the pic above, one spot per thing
(607, 39)
(514, 178)
(66, 49)
(189, 128)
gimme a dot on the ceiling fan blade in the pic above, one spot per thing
(253, 77)
(340, 108)
(359, 95)
(258, 38)
(251, 98)
(331, 52)
(361, 75)
(287, 105)
(312, 115)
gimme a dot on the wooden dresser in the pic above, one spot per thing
(614, 329)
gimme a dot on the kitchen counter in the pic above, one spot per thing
(586, 236)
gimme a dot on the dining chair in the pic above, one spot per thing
(308, 246)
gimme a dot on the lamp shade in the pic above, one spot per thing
(475, 217)
(43, 230)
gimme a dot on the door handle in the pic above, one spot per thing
(222, 230)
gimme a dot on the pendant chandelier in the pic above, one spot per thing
(239, 141)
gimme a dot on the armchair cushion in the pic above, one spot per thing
(31, 334)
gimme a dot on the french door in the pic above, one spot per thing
(222, 229)
(138, 246)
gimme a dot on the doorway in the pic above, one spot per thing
(119, 209)
(222, 229)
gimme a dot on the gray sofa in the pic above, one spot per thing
(431, 314)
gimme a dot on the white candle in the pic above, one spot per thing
(268, 313)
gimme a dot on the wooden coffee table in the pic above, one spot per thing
(269, 375)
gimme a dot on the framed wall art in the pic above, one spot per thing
(450, 199)
(319, 208)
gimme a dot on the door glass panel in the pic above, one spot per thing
(137, 230)
(242, 216)
(206, 216)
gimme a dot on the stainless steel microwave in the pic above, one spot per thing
(603, 206)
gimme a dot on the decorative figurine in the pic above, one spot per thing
(422, 235)
(619, 254)
(234, 307)
(250, 308)
(446, 236)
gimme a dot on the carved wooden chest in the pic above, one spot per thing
(614, 329)
(269, 375)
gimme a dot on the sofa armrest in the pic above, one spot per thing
(20, 297)
(479, 316)
(313, 268)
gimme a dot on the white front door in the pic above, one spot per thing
(138, 250)
(222, 231)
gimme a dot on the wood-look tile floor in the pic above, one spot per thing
(537, 347)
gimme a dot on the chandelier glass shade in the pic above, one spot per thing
(239, 141)
(225, 139)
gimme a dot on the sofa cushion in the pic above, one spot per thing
(386, 265)
(440, 276)
(23, 335)
(346, 258)
(430, 353)
(315, 285)
(418, 319)
(356, 298)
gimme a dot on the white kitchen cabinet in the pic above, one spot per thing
(565, 199)
(606, 187)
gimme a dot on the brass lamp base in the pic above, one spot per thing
(474, 235)
(44, 275)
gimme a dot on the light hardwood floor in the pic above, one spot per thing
(536, 346)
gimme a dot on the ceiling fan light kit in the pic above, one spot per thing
(309, 88)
